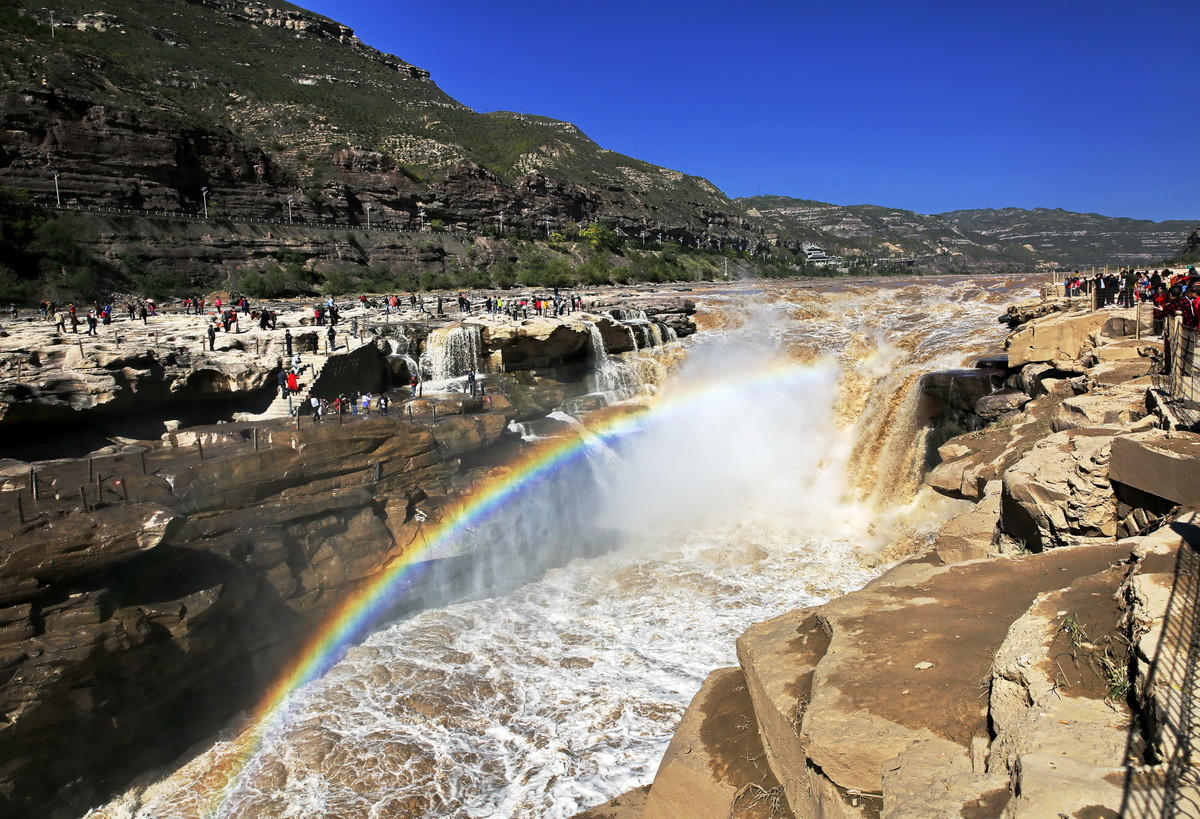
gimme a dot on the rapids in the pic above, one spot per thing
(563, 691)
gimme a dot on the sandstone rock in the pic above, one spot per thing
(1059, 493)
(999, 403)
(1105, 406)
(778, 658)
(1062, 339)
(710, 765)
(969, 535)
(960, 389)
(629, 805)
(1049, 695)
(869, 705)
(85, 543)
(1163, 464)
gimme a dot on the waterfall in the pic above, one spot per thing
(451, 352)
(736, 508)
(613, 378)
(627, 314)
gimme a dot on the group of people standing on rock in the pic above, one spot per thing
(356, 404)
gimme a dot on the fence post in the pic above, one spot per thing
(1137, 332)
(83, 499)
(20, 508)
(33, 484)
(99, 490)
(255, 433)
(125, 491)
(143, 457)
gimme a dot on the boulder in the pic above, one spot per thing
(1119, 405)
(1159, 463)
(999, 403)
(711, 768)
(960, 389)
(970, 535)
(1062, 339)
(1059, 493)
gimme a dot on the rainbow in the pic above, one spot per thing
(356, 616)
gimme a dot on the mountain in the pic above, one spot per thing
(249, 111)
(884, 232)
(144, 104)
(975, 239)
(1076, 239)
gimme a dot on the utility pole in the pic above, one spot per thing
(501, 218)
(290, 200)
(204, 195)
(57, 193)
(368, 206)
(51, 22)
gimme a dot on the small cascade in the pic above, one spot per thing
(610, 377)
(450, 353)
(601, 457)
(627, 314)
(669, 333)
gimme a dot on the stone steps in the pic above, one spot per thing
(283, 406)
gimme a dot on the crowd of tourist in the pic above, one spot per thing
(1171, 293)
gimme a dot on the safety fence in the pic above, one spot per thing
(1177, 378)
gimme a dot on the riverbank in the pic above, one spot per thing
(1033, 660)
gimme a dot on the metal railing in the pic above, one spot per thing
(1177, 378)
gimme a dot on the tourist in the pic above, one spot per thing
(74, 322)
(471, 382)
(91, 323)
(316, 408)
(60, 321)
(287, 342)
(414, 383)
(293, 383)
(331, 335)
(212, 336)
(366, 403)
(297, 364)
(282, 380)
(143, 313)
(383, 404)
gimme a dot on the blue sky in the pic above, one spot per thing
(926, 105)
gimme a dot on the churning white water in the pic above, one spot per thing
(732, 509)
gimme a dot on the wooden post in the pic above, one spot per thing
(255, 433)
(80, 343)
(257, 346)
(200, 447)
(297, 419)
(143, 457)
(125, 491)
(33, 484)
(99, 490)
(91, 471)
(83, 499)
(1137, 314)
(20, 508)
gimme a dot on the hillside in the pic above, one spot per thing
(143, 105)
(971, 239)
(885, 232)
(1076, 239)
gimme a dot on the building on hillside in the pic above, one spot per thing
(814, 254)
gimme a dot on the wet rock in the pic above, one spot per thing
(991, 407)
(709, 769)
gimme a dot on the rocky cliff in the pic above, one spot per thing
(1032, 662)
(241, 108)
(153, 588)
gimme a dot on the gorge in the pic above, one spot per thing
(563, 692)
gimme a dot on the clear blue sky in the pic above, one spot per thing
(930, 105)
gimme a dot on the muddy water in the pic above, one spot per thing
(563, 693)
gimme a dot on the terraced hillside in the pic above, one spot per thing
(144, 105)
